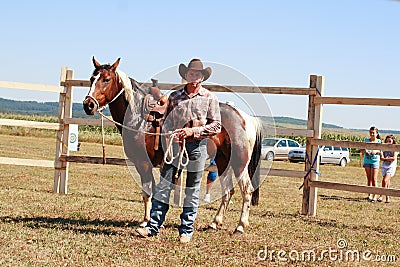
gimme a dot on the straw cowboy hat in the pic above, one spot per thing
(195, 64)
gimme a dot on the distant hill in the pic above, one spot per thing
(38, 108)
(51, 109)
(285, 121)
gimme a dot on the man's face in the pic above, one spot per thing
(194, 76)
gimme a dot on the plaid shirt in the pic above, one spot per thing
(199, 112)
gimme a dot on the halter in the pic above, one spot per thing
(115, 98)
(100, 108)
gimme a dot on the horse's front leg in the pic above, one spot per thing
(247, 189)
(147, 209)
(147, 179)
(227, 191)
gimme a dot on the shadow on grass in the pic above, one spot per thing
(100, 227)
(82, 226)
(353, 199)
(84, 195)
(76, 194)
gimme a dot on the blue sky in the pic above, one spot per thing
(353, 43)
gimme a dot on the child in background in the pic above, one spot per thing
(389, 164)
(371, 161)
(211, 177)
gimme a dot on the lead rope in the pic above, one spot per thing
(177, 177)
(102, 141)
(169, 151)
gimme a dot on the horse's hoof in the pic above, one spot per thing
(212, 228)
(239, 230)
(143, 224)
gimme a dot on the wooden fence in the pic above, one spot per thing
(314, 91)
(29, 124)
(63, 158)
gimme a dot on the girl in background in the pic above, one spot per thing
(371, 161)
(211, 177)
(389, 164)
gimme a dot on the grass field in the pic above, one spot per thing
(94, 224)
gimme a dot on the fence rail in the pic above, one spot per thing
(353, 144)
(218, 88)
(31, 86)
(358, 101)
(27, 162)
(30, 124)
(356, 188)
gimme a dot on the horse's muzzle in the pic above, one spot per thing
(89, 106)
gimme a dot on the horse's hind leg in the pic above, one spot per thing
(246, 189)
(227, 191)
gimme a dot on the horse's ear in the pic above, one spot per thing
(95, 63)
(115, 65)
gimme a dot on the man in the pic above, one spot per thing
(193, 113)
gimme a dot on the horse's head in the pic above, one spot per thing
(104, 87)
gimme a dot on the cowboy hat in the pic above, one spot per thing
(195, 64)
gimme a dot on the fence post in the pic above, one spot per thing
(314, 122)
(64, 111)
(317, 120)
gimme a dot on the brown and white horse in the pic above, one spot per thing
(237, 147)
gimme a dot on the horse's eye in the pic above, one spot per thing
(106, 80)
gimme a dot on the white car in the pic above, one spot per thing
(327, 154)
(277, 148)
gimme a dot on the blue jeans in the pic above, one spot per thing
(372, 165)
(197, 152)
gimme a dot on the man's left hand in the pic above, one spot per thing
(185, 133)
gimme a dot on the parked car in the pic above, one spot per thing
(297, 154)
(327, 154)
(277, 148)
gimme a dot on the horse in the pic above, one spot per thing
(237, 148)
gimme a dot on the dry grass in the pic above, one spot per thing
(94, 224)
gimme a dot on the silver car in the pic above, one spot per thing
(327, 154)
(277, 148)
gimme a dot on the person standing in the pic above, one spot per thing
(389, 164)
(193, 114)
(371, 161)
(211, 178)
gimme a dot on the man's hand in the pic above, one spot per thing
(183, 134)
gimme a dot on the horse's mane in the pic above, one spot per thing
(131, 85)
(127, 85)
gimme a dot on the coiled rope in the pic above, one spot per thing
(169, 153)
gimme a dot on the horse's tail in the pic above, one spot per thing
(255, 166)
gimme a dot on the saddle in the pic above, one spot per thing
(154, 107)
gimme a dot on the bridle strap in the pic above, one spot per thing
(100, 108)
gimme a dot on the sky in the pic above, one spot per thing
(354, 44)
